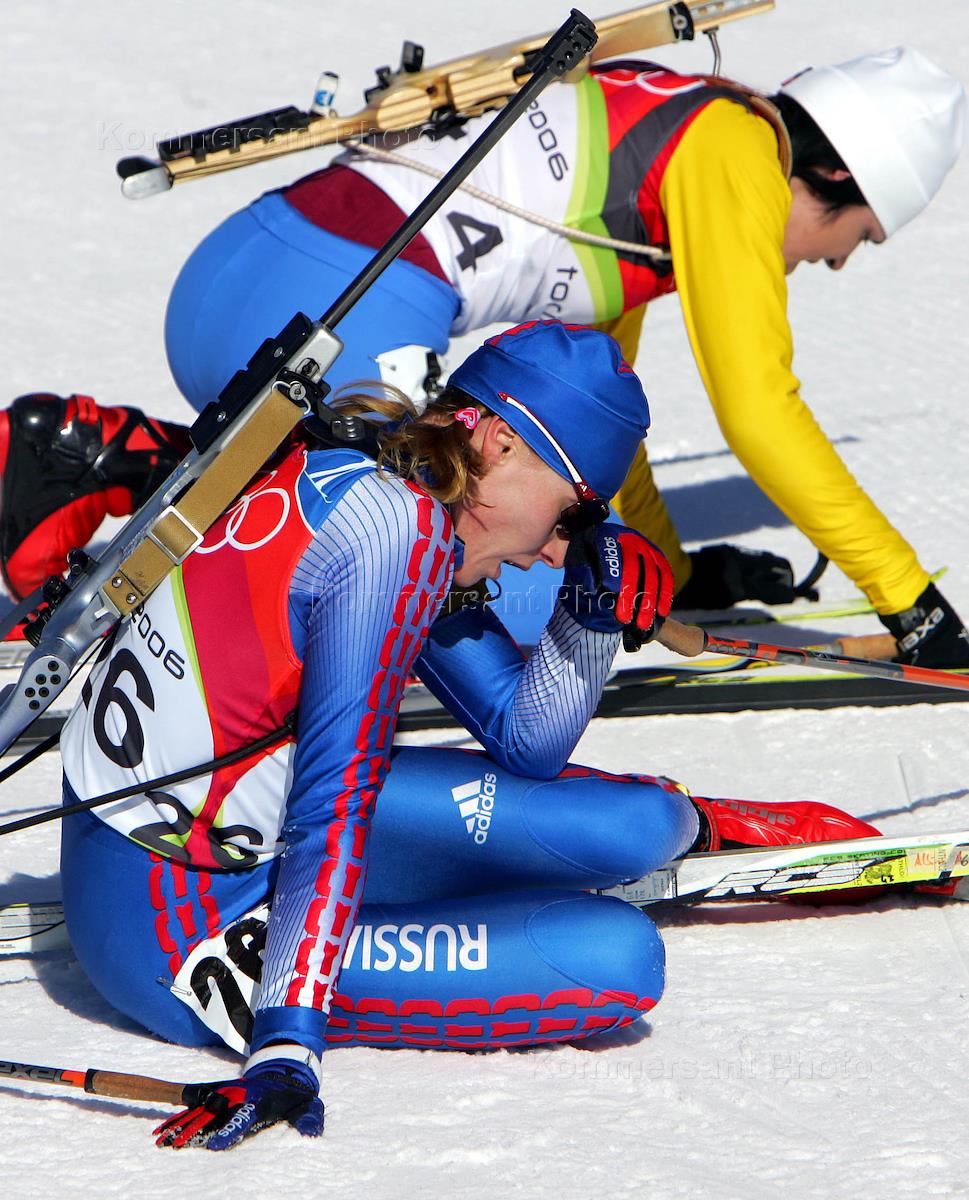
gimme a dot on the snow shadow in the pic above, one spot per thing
(755, 912)
(20, 888)
(721, 508)
(922, 802)
(61, 976)
(676, 460)
(86, 1103)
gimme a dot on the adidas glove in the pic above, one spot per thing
(722, 575)
(274, 1088)
(617, 580)
(930, 633)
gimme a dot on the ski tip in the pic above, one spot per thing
(32, 927)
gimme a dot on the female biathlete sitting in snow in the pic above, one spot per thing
(700, 167)
(318, 592)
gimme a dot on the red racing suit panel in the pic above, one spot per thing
(648, 110)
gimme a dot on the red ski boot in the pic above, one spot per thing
(66, 465)
(731, 824)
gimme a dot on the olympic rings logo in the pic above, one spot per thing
(234, 535)
(644, 81)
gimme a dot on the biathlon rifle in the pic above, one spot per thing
(416, 96)
(282, 385)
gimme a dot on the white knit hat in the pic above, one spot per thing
(895, 119)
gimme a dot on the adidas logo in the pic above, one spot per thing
(475, 802)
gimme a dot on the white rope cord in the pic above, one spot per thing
(575, 235)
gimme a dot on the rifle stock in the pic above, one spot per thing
(408, 98)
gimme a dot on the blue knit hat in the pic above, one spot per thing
(576, 382)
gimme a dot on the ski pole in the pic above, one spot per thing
(110, 1083)
(690, 641)
(806, 587)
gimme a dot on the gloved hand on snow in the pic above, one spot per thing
(273, 1088)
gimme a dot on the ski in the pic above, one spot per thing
(31, 927)
(798, 612)
(725, 875)
(668, 691)
(778, 871)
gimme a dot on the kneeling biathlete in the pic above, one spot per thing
(318, 592)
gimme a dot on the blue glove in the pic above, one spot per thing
(615, 579)
(272, 1089)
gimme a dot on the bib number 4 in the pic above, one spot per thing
(486, 238)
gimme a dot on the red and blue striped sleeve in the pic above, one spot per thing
(367, 588)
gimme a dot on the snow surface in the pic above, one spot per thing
(797, 1052)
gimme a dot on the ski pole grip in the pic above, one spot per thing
(878, 646)
(134, 1087)
(688, 640)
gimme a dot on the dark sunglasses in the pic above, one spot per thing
(588, 510)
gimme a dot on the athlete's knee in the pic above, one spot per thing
(616, 827)
(609, 957)
(607, 944)
(485, 972)
(671, 825)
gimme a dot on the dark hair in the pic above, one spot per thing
(812, 152)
